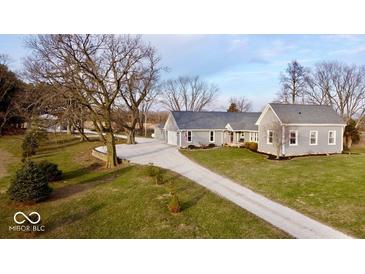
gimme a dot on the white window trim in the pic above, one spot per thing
(268, 136)
(253, 137)
(296, 137)
(334, 137)
(212, 141)
(310, 137)
(191, 136)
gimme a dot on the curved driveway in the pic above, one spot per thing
(166, 156)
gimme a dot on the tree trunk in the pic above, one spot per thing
(278, 153)
(2, 126)
(82, 134)
(145, 124)
(69, 131)
(112, 160)
(131, 136)
(131, 131)
(348, 140)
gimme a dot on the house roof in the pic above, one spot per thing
(306, 114)
(215, 120)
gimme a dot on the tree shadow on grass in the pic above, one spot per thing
(73, 217)
(57, 146)
(81, 171)
(82, 186)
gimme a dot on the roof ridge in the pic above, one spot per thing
(185, 111)
(287, 104)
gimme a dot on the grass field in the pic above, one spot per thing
(93, 202)
(328, 188)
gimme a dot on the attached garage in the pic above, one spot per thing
(172, 137)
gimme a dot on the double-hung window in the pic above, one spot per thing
(270, 136)
(211, 136)
(189, 137)
(253, 137)
(332, 137)
(293, 137)
(313, 137)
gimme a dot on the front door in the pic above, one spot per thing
(231, 137)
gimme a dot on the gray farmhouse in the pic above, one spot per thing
(281, 129)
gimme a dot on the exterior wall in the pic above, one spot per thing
(170, 124)
(201, 137)
(267, 122)
(159, 134)
(270, 121)
(322, 147)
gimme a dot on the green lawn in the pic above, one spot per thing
(328, 188)
(93, 202)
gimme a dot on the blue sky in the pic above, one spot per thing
(241, 65)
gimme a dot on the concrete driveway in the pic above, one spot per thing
(166, 156)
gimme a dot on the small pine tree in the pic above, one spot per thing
(30, 144)
(51, 170)
(30, 184)
(174, 204)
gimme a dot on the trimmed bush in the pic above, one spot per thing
(30, 184)
(191, 147)
(251, 146)
(174, 204)
(51, 170)
(211, 145)
(30, 144)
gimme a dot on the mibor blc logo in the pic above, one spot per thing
(27, 223)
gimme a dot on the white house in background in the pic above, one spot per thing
(284, 129)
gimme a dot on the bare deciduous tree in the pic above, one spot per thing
(242, 104)
(91, 67)
(187, 94)
(145, 108)
(278, 137)
(319, 84)
(140, 83)
(4, 59)
(9, 86)
(339, 85)
(293, 83)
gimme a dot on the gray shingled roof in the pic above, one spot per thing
(215, 120)
(306, 114)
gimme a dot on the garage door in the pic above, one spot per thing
(172, 138)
